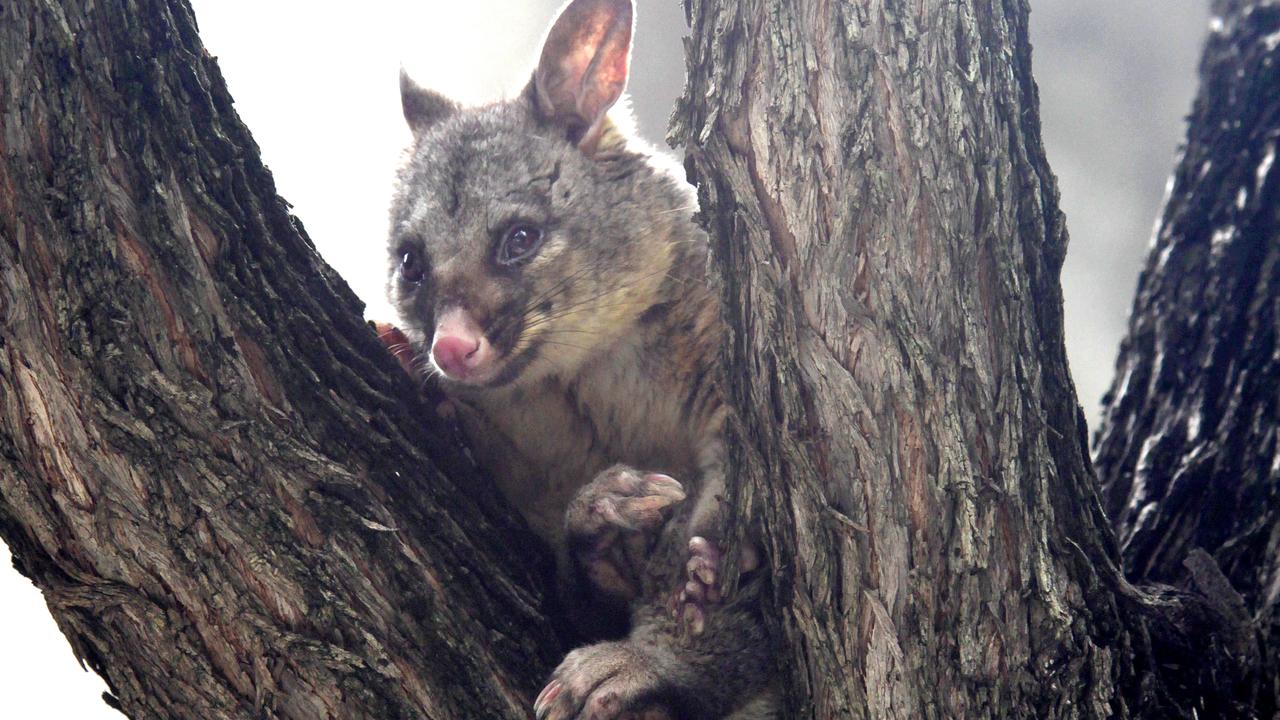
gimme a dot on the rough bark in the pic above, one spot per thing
(888, 243)
(1188, 451)
(237, 507)
(229, 494)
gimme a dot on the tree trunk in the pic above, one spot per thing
(237, 507)
(1189, 452)
(228, 492)
(888, 244)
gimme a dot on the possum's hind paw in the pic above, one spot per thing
(702, 588)
(607, 681)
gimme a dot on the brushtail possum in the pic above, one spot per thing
(548, 274)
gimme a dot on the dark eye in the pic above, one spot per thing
(411, 269)
(520, 242)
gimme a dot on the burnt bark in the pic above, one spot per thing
(228, 492)
(1188, 452)
(888, 242)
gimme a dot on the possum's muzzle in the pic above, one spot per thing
(461, 351)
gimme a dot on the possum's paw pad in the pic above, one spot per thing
(607, 681)
(621, 498)
(701, 588)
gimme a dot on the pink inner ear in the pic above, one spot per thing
(584, 61)
(606, 75)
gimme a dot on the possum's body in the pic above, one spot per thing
(554, 278)
(647, 398)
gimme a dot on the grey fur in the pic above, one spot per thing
(608, 337)
(422, 108)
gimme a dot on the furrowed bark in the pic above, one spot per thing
(237, 507)
(1188, 449)
(888, 242)
(230, 495)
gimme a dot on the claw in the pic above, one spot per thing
(542, 705)
(666, 486)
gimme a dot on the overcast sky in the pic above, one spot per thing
(317, 85)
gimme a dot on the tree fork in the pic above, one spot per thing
(228, 492)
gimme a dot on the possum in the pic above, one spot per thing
(548, 274)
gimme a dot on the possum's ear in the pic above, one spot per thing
(423, 108)
(583, 67)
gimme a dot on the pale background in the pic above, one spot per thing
(317, 84)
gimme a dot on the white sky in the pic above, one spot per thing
(317, 85)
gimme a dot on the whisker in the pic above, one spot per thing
(565, 344)
(611, 290)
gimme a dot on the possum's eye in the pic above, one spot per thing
(519, 242)
(411, 269)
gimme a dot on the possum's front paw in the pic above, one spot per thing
(621, 498)
(397, 344)
(607, 681)
(608, 522)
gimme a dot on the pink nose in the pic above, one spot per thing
(456, 356)
(460, 349)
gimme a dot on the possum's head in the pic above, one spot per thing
(525, 238)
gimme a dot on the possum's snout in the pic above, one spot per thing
(460, 350)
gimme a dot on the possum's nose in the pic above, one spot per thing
(460, 350)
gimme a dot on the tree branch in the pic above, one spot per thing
(230, 495)
(888, 243)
